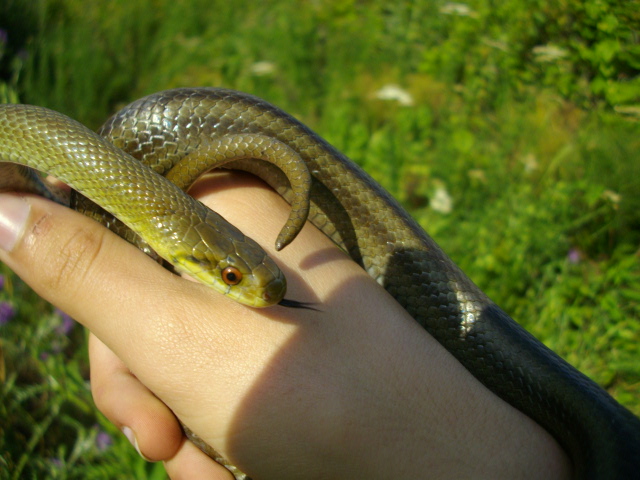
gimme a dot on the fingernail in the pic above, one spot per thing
(133, 440)
(14, 212)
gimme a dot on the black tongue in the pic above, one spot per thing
(295, 304)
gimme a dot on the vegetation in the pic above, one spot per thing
(509, 129)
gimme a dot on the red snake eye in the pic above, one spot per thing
(231, 276)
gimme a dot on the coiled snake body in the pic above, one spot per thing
(602, 437)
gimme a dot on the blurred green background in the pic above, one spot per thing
(509, 129)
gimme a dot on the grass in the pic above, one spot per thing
(531, 189)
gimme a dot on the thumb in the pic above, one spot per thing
(54, 249)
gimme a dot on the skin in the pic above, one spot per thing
(357, 390)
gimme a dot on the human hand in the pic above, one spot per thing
(354, 390)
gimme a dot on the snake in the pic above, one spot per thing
(138, 164)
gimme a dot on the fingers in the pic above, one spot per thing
(83, 268)
(128, 404)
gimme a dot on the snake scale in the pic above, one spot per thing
(211, 126)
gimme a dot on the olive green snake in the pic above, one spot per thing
(214, 127)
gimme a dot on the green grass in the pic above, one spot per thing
(540, 168)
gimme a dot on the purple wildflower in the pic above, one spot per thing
(66, 324)
(103, 440)
(574, 256)
(7, 312)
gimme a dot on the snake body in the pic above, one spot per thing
(601, 437)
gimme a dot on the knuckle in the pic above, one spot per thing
(69, 259)
(100, 395)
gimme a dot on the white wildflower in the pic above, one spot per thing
(394, 92)
(548, 53)
(459, 9)
(263, 68)
(442, 201)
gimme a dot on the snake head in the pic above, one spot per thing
(219, 255)
(263, 285)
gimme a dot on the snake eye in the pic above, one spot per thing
(231, 276)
